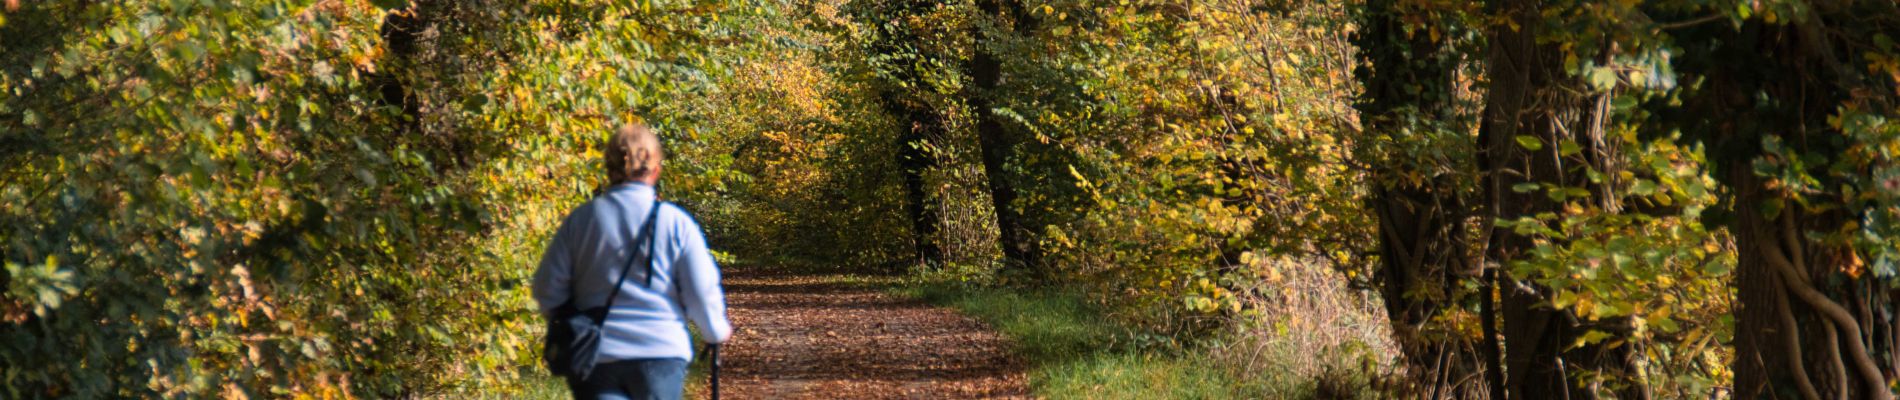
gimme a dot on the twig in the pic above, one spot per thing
(1689, 23)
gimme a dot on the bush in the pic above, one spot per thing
(312, 198)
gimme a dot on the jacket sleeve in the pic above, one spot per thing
(704, 301)
(552, 282)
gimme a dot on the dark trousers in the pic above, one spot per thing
(644, 379)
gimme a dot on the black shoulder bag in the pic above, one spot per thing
(573, 340)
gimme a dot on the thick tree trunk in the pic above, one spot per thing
(1808, 324)
(1419, 237)
(1763, 352)
(998, 144)
(1803, 325)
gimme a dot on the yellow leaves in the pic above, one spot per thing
(249, 232)
(522, 96)
(192, 236)
(1585, 304)
(1081, 181)
(1852, 265)
(1575, 209)
(1201, 304)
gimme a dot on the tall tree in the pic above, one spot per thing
(1541, 124)
(1418, 151)
(996, 141)
(906, 69)
(1796, 96)
(918, 127)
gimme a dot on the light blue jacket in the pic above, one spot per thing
(595, 242)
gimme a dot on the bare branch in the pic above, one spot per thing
(1689, 23)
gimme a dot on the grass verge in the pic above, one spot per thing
(1074, 352)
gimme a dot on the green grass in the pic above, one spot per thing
(1076, 353)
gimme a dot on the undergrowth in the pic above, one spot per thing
(1075, 352)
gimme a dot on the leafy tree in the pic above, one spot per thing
(998, 143)
(309, 198)
(1420, 156)
(1796, 96)
(908, 40)
(293, 197)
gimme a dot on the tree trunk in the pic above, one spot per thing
(997, 143)
(1532, 98)
(1802, 324)
(1808, 325)
(1410, 77)
(919, 125)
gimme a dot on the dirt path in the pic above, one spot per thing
(811, 337)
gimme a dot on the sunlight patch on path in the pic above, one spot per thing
(818, 337)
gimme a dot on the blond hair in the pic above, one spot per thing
(632, 152)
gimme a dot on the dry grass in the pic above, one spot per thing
(1312, 334)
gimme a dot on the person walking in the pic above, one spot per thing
(670, 277)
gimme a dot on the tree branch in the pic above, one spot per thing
(1689, 23)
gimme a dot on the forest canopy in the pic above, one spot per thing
(1520, 199)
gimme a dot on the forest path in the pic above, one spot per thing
(822, 337)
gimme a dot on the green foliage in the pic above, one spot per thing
(813, 178)
(1176, 137)
(298, 198)
(286, 198)
(1654, 264)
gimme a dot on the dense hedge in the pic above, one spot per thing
(317, 197)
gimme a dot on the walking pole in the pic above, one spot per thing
(713, 351)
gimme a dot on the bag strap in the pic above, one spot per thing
(646, 230)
